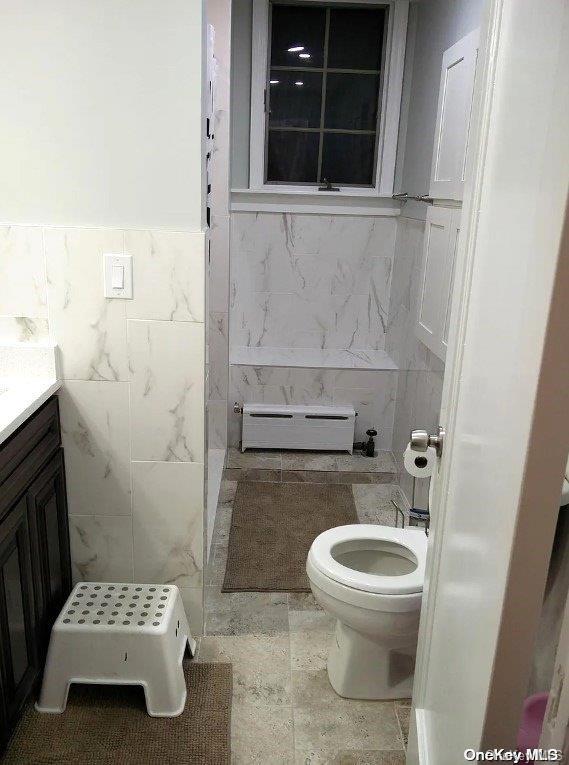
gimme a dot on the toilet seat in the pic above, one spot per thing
(408, 543)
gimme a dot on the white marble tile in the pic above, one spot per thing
(22, 272)
(317, 358)
(101, 548)
(89, 328)
(218, 337)
(169, 275)
(217, 423)
(192, 598)
(95, 425)
(375, 407)
(22, 329)
(166, 361)
(293, 386)
(168, 522)
(219, 264)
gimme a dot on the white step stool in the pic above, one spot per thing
(120, 634)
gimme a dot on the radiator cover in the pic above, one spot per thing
(329, 428)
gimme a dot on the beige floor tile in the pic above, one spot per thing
(403, 713)
(261, 666)
(302, 601)
(383, 462)
(349, 757)
(253, 459)
(349, 725)
(309, 461)
(309, 650)
(227, 492)
(311, 621)
(261, 734)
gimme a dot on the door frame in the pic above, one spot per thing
(519, 590)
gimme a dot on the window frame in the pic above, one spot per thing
(391, 85)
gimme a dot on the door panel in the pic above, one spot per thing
(47, 512)
(433, 298)
(19, 664)
(505, 404)
(453, 118)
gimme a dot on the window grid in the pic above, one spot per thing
(324, 70)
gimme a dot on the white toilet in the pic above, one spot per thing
(371, 579)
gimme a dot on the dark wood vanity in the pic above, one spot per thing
(35, 570)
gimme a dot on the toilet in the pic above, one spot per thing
(371, 579)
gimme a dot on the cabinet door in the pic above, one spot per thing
(47, 513)
(453, 118)
(435, 252)
(442, 228)
(19, 665)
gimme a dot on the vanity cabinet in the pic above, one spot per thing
(35, 571)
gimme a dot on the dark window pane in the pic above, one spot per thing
(356, 38)
(295, 99)
(296, 26)
(348, 158)
(292, 156)
(15, 613)
(351, 101)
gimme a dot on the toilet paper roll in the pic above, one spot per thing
(420, 464)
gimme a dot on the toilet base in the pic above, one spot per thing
(360, 667)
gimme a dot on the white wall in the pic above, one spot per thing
(242, 19)
(434, 25)
(101, 125)
(101, 151)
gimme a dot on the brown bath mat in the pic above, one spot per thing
(272, 528)
(108, 724)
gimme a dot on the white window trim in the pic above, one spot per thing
(390, 106)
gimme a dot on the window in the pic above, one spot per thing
(326, 88)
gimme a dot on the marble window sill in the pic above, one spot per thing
(310, 358)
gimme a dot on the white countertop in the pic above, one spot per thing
(29, 375)
(20, 398)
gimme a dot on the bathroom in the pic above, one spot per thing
(216, 336)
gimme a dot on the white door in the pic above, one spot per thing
(453, 118)
(506, 394)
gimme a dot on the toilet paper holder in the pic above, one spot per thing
(420, 440)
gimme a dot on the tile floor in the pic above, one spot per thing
(271, 465)
(284, 710)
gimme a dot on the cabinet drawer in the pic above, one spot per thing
(26, 451)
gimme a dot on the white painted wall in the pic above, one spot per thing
(101, 151)
(434, 26)
(101, 125)
(241, 19)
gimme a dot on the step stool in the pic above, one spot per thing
(120, 634)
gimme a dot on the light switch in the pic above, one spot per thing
(117, 280)
(118, 275)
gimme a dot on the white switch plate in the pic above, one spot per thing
(112, 265)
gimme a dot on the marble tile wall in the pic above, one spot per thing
(310, 281)
(371, 393)
(420, 377)
(132, 404)
(219, 16)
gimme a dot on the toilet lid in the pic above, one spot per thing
(414, 542)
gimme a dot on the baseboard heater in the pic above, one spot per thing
(329, 428)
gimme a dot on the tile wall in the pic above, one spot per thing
(312, 281)
(219, 16)
(132, 404)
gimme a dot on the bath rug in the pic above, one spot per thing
(108, 724)
(272, 528)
